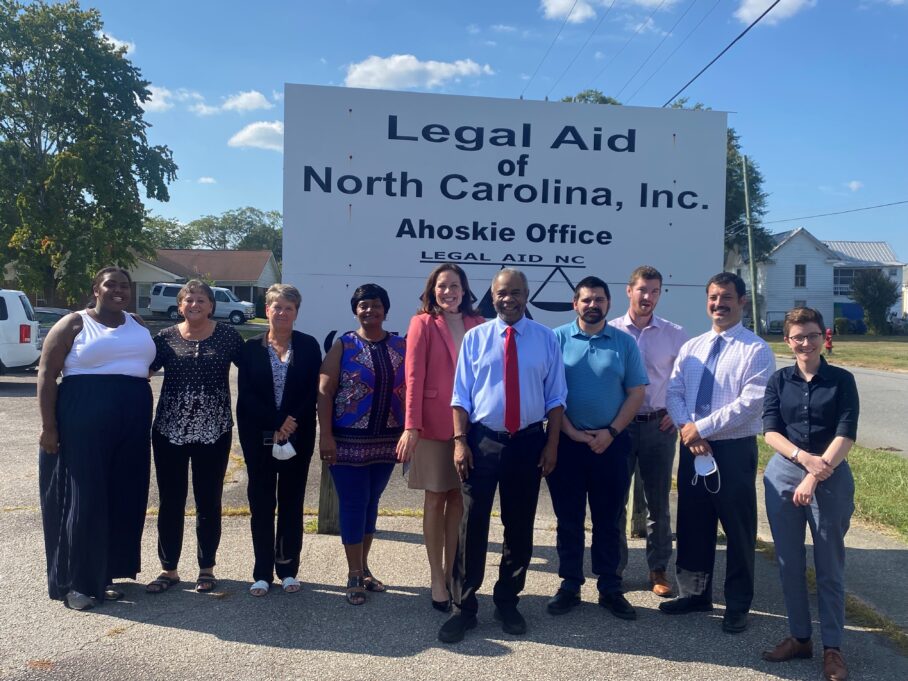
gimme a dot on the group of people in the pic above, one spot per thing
(470, 406)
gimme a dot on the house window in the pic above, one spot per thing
(800, 303)
(800, 276)
(841, 281)
(893, 273)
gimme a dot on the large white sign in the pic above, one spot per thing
(382, 186)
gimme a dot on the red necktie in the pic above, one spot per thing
(511, 382)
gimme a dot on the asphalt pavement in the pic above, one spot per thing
(315, 635)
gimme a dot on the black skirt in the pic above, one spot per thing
(94, 491)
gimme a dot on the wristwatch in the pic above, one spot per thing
(460, 436)
(612, 431)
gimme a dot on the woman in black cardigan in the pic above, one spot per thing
(278, 384)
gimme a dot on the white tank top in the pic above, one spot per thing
(127, 350)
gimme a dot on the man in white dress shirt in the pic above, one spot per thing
(715, 398)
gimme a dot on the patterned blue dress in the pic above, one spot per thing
(368, 416)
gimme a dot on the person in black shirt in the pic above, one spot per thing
(810, 417)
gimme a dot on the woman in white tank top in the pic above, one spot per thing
(95, 445)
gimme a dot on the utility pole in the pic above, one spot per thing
(750, 252)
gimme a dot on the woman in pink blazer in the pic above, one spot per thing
(433, 342)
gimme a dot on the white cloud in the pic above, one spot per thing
(855, 185)
(490, 43)
(503, 28)
(559, 9)
(323, 60)
(473, 29)
(401, 71)
(241, 102)
(748, 10)
(130, 47)
(206, 180)
(251, 100)
(260, 135)
(277, 95)
(203, 109)
(160, 99)
(599, 55)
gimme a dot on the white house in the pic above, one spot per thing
(804, 271)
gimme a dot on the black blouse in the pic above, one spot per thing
(194, 406)
(811, 414)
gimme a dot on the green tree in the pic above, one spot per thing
(876, 293)
(73, 148)
(591, 97)
(168, 233)
(244, 228)
(735, 223)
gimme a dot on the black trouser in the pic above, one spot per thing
(604, 479)
(94, 491)
(281, 485)
(700, 511)
(512, 465)
(209, 464)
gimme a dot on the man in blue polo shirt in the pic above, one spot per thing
(606, 381)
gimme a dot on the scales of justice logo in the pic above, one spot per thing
(555, 294)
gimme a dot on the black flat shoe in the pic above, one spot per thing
(442, 606)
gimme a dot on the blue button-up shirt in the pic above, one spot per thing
(479, 379)
(600, 369)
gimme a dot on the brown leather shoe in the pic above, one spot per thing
(661, 586)
(834, 668)
(789, 649)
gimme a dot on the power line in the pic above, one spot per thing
(668, 58)
(554, 40)
(740, 223)
(840, 212)
(716, 58)
(633, 35)
(580, 51)
(656, 49)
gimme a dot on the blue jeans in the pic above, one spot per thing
(604, 479)
(828, 516)
(358, 490)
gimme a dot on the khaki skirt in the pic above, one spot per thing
(432, 466)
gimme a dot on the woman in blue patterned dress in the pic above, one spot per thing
(360, 412)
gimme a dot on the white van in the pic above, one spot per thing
(18, 331)
(227, 305)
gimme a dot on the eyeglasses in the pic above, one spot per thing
(810, 338)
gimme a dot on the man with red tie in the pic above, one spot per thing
(509, 379)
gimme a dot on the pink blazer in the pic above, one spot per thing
(430, 363)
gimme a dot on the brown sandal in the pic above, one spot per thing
(205, 583)
(371, 583)
(356, 590)
(161, 583)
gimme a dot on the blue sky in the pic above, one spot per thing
(817, 91)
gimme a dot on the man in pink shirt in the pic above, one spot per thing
(653, 435)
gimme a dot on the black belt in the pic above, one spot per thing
(651, 416)
(504, 436)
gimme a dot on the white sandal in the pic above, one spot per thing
(290, 585)
(259, 588)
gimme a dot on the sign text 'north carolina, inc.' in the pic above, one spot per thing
(380, 186)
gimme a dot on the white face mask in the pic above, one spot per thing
(704, 466)
(283, 452)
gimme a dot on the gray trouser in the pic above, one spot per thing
(828, 516)
(654, 452)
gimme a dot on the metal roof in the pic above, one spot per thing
(865, 252)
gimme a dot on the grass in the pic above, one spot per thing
(880, 487)
(873, 352)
